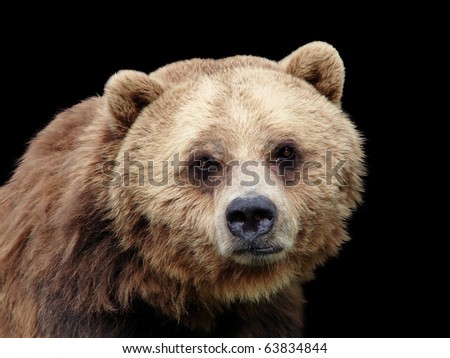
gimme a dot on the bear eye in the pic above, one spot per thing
(286, 157)
(205, 172)
(285, 153)
(207, 164)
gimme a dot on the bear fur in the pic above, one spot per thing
(101, 236)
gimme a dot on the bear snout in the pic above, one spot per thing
(249, 218)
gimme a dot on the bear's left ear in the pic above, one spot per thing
(319, 64)
(127, 93)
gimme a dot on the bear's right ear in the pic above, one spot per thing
(127, 93)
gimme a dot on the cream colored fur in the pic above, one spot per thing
(76, 250)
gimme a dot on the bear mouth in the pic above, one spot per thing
(259, 250)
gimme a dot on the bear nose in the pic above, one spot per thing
(250, 217)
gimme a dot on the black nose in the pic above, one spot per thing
(250, 217)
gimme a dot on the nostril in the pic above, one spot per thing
(260, 215)
(236, 217)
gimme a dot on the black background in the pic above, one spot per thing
(389, 281)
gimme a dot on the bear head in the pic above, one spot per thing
(234, 176)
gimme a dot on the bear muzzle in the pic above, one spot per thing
(249, 219)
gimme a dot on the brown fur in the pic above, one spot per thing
(79, 258)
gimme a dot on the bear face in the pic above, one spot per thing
(191, 201)
(248, 133)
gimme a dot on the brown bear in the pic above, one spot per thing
(190, 202)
